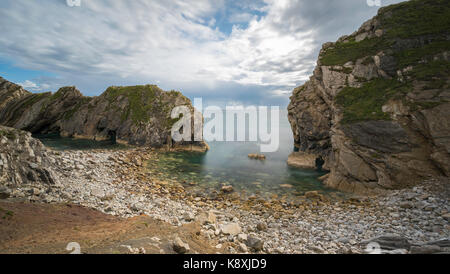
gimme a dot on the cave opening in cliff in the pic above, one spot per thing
(112, 136)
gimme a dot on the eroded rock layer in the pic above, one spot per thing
(377, 106)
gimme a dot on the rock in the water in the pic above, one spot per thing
(227, 189)
(257, 156)
(302, 160)
(313, 195)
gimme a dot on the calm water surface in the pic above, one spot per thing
(225, 164)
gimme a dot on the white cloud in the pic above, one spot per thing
(29, 85)
(177, 42)
(281, 92)
(240, 17)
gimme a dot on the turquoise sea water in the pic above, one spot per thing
(226, 163)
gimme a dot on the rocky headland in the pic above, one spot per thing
(134, 115)
(377, 105)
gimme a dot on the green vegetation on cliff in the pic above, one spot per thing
(144, 102)
(141, 101)
(366, 103)
(416, 34)
(343, 52)
(415, 18)
(402, 21)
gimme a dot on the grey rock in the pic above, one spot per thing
(4, 192)
(441, 243)
(231, 229)
(390, 242)
(255, 243)
(261, 227)
(425, 249)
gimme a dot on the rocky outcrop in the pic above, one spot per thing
(23, 162)
(302, 160)
(137, 115)
(378, 102)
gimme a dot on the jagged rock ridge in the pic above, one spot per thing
(137, 115)
(23, 162)
(378, 102)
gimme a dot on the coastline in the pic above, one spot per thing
(118, 183)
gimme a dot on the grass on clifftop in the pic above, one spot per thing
(414, 55)
(140, 101)
(401, 21)
(342, 53)
(415, 18)
(144, 102)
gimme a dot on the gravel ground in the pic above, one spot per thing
(119, 183)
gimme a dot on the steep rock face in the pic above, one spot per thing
(137, 115)
(23, 161)
(378, 102)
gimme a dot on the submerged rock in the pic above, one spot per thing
(257, 156)
(227, 189)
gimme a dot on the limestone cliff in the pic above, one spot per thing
(137, 115)
(377, 106)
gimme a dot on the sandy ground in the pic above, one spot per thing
(48, 228)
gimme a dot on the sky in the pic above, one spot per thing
(250, 52)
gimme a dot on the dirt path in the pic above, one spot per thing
(48, 228)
